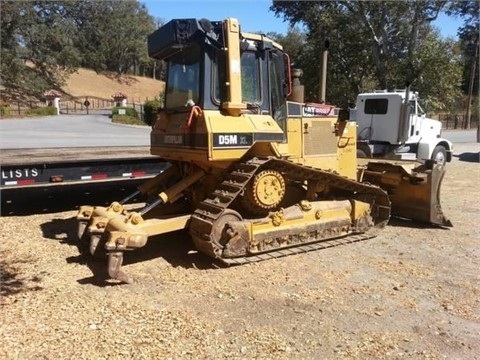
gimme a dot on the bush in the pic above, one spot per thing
(127, 120)
(130, 117)
(4, 110)
(128, 111)
(42, 111)
(150, 111)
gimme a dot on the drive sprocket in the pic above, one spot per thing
(264, 192)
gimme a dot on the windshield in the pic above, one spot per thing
(183, 81)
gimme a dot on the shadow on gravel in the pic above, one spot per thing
(469, 157)
(12, 283)
(176, 248)
(62, 230)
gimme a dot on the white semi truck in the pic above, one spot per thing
(390, 126)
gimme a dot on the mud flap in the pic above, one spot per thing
(413, 188)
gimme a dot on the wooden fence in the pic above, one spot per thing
(458, 121)
(20, 109)
(74, 106)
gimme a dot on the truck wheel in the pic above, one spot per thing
(361, 154)
(439, 155)
(363, 151)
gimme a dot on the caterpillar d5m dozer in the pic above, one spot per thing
(252, 175)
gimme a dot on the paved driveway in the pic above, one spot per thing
(70, 131)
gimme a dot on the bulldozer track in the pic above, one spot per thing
(296, 249)
(211, 209)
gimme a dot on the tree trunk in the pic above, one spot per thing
(468, 115)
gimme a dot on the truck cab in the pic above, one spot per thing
(392, 124)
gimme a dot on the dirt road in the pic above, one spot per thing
(411, 292)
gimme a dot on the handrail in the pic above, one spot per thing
(197, 110)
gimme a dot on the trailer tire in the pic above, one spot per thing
(439, 155)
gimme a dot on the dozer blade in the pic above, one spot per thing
(413, 188)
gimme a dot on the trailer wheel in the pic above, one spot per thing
(439, 155)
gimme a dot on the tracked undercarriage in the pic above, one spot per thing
(221, 232)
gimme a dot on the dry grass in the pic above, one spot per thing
(86, 82)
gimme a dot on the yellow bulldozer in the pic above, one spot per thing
(254, 172)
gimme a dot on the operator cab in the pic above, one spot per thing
(201, 71)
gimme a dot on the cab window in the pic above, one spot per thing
(376, 106)
(277, 82)
(250, 71)
(183, 80)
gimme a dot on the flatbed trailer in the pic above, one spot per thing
(22, 168)
(58, 179)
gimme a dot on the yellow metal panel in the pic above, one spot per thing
(264, 123)
(324, 162)
(347, 148)
(294, 137)
(228, 154)
(216, 122)
(323, 143)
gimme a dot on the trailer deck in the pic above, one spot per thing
(54, 166)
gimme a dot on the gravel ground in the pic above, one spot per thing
(411, 292)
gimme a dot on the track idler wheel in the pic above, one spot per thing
(231, 242)
(220, 234)
(264, 192)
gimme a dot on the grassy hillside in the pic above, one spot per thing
(88, 83)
